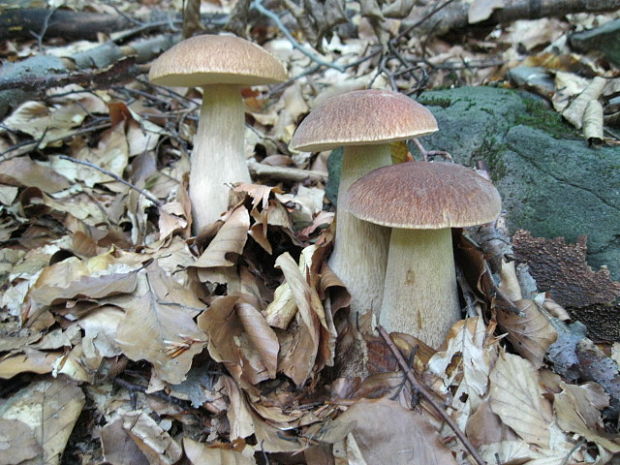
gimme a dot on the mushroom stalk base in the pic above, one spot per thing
(218, 157)
(361, 248)
(420, 296)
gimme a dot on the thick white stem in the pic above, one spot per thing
(218, 157)
(360, 250)
(420, 296)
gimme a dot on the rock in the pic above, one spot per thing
(604, 39)
(552, 183)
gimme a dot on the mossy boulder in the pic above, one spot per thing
(551, 182)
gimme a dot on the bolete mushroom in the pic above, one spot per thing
(365, 122)
(421, 201)
(222, 66)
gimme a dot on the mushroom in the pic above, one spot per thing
(222, 66)
(365, 122)
(421, 201)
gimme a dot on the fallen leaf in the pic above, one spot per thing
(118, 447)
(220, 454)
(405, 437)
(230, 239)
(50, 408)
(156, 444)
(157, 330)
(530, 333)
(17, 442)
(516, 398)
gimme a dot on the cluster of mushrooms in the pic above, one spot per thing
(393, 246)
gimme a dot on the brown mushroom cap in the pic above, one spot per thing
(423, 195)
(210, 59)
(363, 117)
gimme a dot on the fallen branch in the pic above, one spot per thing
(26, 79)
(420, 388)
(456, 16)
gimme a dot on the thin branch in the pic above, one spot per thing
(429, 397)
(422, 20)
(258, 6)
(146, 194)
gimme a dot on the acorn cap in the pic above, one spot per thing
(211, 59)
(363, 117)
(423, 195)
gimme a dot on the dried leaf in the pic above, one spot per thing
(118, 447)
(158, 330)
(96, 277)
(405, 437)
(32, 361)
(530, 333)
(593, 122)
(241, 339)
(156, 444)
(24, 172)
(220, 454)
(46, 123)
(230, 239)
(516, 398)
(17, 442)
(480, 10)
(578, 411)
(50, 409)
(574, 113)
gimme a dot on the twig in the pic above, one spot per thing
(429, 397)
(24, 148)
(146, 194)
(284, 173)
(258, 6)
(422, 20)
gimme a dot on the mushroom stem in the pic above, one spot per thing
(420, 295)
(361, 248)
(219, 153)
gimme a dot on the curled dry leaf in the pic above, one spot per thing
(241, 339)
(300, 344)
(516, 398)
(530, 333)
(31, 361)
(217, 454)
(230, 239)
(574, 113)
(96, 277)
(240, 418)
(405, 437)
(50, 409)
(578, 411)
(156, 444)
(469, 352)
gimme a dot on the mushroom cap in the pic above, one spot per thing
(363, 117)
(211, 59)
(423, 195)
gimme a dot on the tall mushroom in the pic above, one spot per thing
(421, 201)
(365, 122)
(222, 66)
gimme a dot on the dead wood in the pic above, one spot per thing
(27, 23)
(455, 16)
(31, 77)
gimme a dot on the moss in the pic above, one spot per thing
(491, 151)
(442, 102)
(537, 115)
